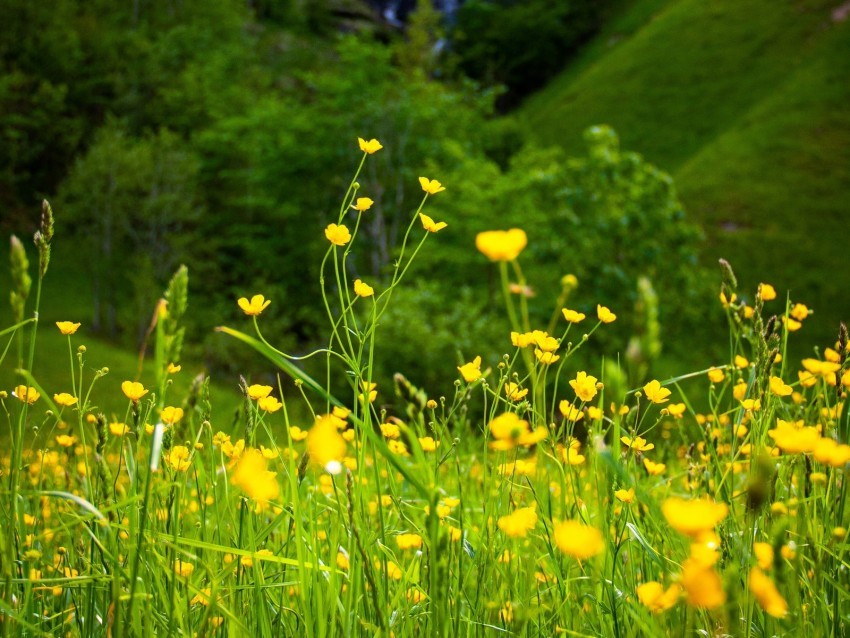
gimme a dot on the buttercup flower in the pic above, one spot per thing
(171, 415)
(693, 517)
(325, 445)
(178, 458)
(513, 392)
(766, 593)
(584, 386)
(653, 596)
(578, 540)
(26, 394)
(254, 307)
(362, 204)
(257, 391)
(471, 371)
(518, 523)
(67, 327)
(362, 289)
(133, 390)
(64, 399)
(430, 225)
(338, 235)
(655, 393)
(605, 315)
(501, 245)
(431, 186)
(370, 147)
(509, 430)
(767, 292)
(573, 316)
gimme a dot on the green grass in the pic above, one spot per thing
(744, 102)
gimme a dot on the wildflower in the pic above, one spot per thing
(799, 312)
(655, 393)
(764, 554)
(792, 439)
(67, 327)
(370, 147)
(751, 404)
(829, 452)
(394, 571)
(65, 440)
(118, 429)
(254, 479)
(428, 444)
(702, 585)
(578, 540)
(362, 289)
(408, 541)
(638, 443)
(716, 375)
(362, 204)
(431, 186)
(513, 392)
(269, 404)
(338, 235)
(767, 292)
(766, 593)
(625, 496)
(779, 387)
(390, 430)
(171, 415)
(652, 468)
(519, 523)
(430, 225)
(26, 394)
(501, 245)
(792, 324)
(325, 445)
(741, 362)
(594, 413)
(248, 561)
(584, 386)
(546, 357)
(605, 315)
(64, 399)
(471, 371)
(676, 410)
(257, 392)
(254, 307)
(133, 390)
(653, 596)
(509, 430)
(369, 394)
(178, 458)
(573, 316)
(202, 597)
(173, 368)
(183, 569)
(231, 450)
(693, 517)
(342, 561)
(570, 412)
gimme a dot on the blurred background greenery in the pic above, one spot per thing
(634, 140)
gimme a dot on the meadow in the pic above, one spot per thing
(539, 498)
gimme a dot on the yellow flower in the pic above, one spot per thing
(118, 429)
(792, 439)
(431, 186)
(792, 324)
(171, 415)
(653, 596)
(178, 458)
(780, 388)
(325, 445)
(254, 307)
(767, 292)
(702, 585)
(362, 204)
(337, 234)
(471, 371)
(799, 312)
(26, 394)
(428, 444)
(253, 478)
(64, 399)
(342, 561)
(257, 392)
(233, 450)
(430, 225)
(625, 496)
(716, 375)
(764, 554)
(183, 569)
(652, 468)
(519, 523)
(605, 315)
(570, 412)
(362, 289)
(297, 434)
(584, 386)
(509, 430)
(133, 390)
(173, 368)
(513, 392)
(408, 541)
(829, 452)
(693, 517)
(655, 393)
(741, 362)
(676, 410)
(573, 316)
(578, 540)
(546, 357)
(67, 327)
(269, 404)
(370, 147)
(638, 443)
(501, 245)
(369, 394)
(766, 593)
(66, 441)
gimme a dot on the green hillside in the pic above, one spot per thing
(745, 103)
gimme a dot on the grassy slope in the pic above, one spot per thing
(744, 101)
